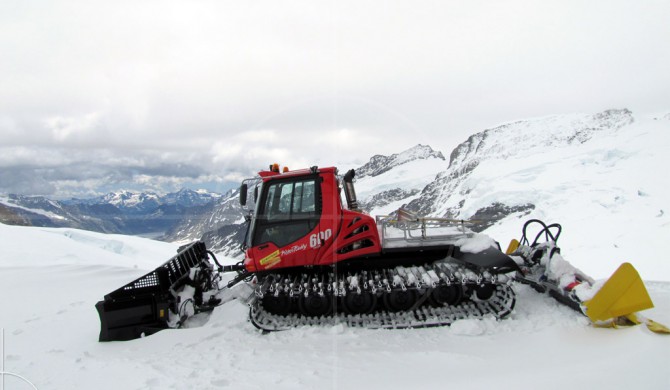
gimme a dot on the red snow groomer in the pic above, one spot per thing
(314, 258)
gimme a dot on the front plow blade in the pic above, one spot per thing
(141, 306)
(623, 294)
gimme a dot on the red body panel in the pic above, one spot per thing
(357, 236)
(340, 234)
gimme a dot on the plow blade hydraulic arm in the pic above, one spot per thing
(614, 304)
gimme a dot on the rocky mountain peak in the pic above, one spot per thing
(129, 199)
(379, 164)
(534, 135)
(519, 138)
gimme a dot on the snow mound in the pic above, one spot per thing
(31, 247)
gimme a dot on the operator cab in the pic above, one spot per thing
(287, 210)
(285, 206)
(298, 216)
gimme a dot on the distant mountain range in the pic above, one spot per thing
(122, 212)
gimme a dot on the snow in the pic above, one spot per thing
(4, 200)
(42, 247)
(125, 198)
(476, 243)
(392, 206)
(411, 175)
(610, 195)
(50, 280)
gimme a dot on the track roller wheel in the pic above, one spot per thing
(280, 305)
(446, 295)
(363, 303)
(484, 292)
(315, 305)
(399, 300)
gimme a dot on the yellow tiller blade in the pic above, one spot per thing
(513, 245)
(623, 294)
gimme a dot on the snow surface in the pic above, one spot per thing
(50, 280)
(411, 175)
(610, 194)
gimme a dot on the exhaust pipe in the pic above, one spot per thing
(349, 191)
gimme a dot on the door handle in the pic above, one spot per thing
(263, 246)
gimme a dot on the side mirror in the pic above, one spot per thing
(243, 194)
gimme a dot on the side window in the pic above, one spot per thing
(270, 201)
(285, 192)
(290, 213)
(278, 203)
(304, 198)
(297, 197)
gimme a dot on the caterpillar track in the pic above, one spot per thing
(399, 297)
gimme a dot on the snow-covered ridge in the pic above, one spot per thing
(534, 136)
(126, 198)
(134, 199)
(6, 201)
(599, 175)
(379, 164)
(387, 182)
(516, 139)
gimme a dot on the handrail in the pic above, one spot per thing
(425, 226)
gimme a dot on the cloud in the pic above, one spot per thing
(129, 93)
(66, 172)
(257, 136)
(25, 180)
(65, 128)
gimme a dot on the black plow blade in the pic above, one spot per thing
(141, 306)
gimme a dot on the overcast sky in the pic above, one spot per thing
(102, 95)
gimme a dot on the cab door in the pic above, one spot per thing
(289, 214)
